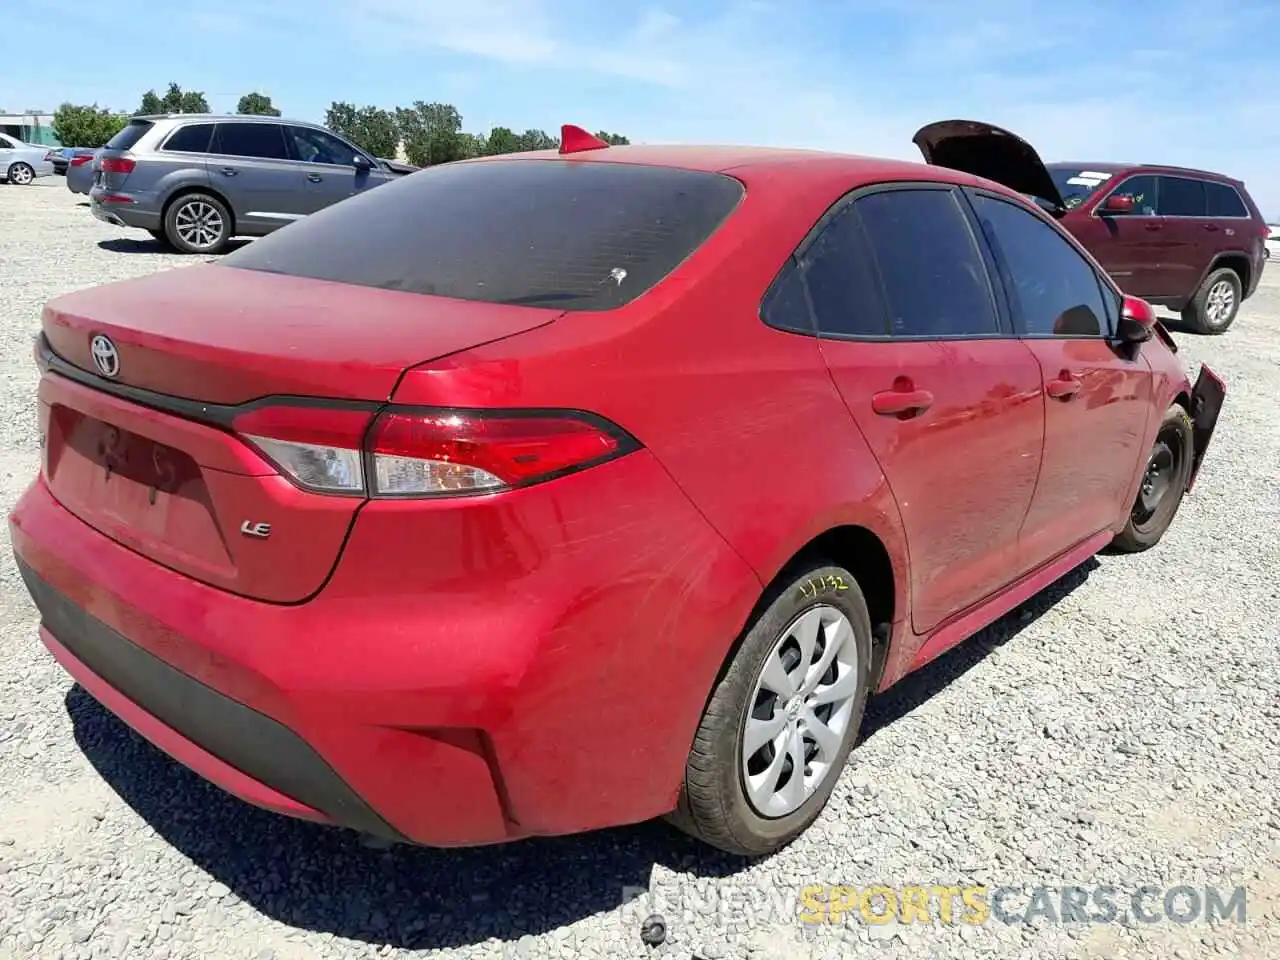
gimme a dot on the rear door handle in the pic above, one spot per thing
(1153, 227)
(314, 177)
(229, 171)
(1064, 387)
(1211, 227)
(891, 403)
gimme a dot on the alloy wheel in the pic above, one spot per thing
(800, 711)
(199, 224)
(1220, 302)
(21, 174)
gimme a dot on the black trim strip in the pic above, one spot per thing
(236, 734)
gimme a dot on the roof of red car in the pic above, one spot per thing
(715, 158)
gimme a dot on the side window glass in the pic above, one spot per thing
(1221, 200)
(263, 141)
(785, 305)
(193, 138)
(1181, 197)
(842, 285)
(1142, 191)
(933, 275)
(312, 146)
(1055, 291)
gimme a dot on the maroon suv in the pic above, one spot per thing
(1189, 240)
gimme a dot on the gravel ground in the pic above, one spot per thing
(1120, 729)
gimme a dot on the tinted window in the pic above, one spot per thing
(1054, 289)
(313, 146)
(1181, 197)
(131, 133)
(932, 273)
(262, 140)
(1142, 190)
(544, 233)
(842, 281)
(191, 139)
(1222, 200)
(785, 305)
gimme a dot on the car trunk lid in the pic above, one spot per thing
(987, 151)
(221, 335)
(150, 456)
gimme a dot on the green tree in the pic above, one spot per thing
(537, 140)
(151, 104)
(258, 104)
(175, 100)
(613, 139)
(77, 125)
(431, 133)
(369, 127)
(501, 140)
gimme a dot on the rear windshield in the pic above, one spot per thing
(131, 134)
(1077, 184)
(543, 233)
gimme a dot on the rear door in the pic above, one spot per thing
(1129, 246)
(1189, 237)
(948, 401)
(251, 165)
(1096, 401)
(326, 168)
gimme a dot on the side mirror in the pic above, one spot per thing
(1137, 321)
(361, 162)
(1118, 203)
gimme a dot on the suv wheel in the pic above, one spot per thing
(198, 223)
(21, 174)
(1216, 303)
(782, 719)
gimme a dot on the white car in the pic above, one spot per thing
(22, 162)
(1271, 250)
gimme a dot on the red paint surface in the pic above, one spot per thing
(536, 661)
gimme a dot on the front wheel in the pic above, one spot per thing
(1164, 481)
(780, 723)
(198, 223)
(21, 174)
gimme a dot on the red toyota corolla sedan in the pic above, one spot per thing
(536, 494)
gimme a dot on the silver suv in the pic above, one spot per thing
(197, 180)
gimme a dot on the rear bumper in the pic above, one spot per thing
(540, 670)
(139, 213)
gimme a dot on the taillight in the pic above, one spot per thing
(418, 452)
(80, 161)
(118, 165)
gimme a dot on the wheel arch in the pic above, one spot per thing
(1235, 260)
(861, 551)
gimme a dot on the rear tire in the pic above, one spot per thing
(1216, 303)
(22, 174)
(1164, 482)
(161, 236)
(753, 802)
(197, 223)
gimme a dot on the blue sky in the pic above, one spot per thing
(1173, 81)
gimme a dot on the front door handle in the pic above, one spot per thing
(314, 177)
(229, 171)
(1153, 227)
(896, 402)
(1064, 387)
(1211, 227)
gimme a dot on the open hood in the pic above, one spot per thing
(971, 146)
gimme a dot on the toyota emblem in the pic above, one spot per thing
(105, 356)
